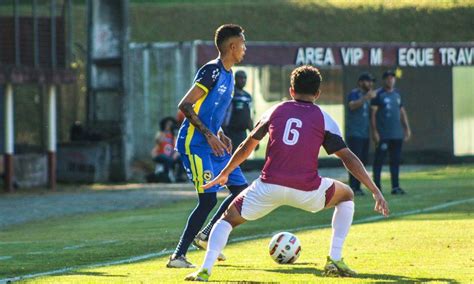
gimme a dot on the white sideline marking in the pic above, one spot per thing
(363, 220)
(74, 247)
(41, 252)
(5, 257)
(247, 238)
(89, 244)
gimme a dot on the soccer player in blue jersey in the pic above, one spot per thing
(204, 148)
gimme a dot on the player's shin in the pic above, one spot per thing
(234, 192)
(341, 223)
(217, 241)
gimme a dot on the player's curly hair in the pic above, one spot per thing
(225, 32)
(306, 79)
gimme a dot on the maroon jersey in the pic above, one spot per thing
(297, 131)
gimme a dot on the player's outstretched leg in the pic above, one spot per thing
(217, 241)
(207, 201)
(341, 223)
(200, 241)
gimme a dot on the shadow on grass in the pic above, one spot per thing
(91, 273)
(245, 282)
(301, 268)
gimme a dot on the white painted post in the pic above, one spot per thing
(9, 138)
(52, 141)
(146, 91)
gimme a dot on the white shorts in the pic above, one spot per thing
(261, 198)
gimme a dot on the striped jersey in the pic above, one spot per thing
(218, 86)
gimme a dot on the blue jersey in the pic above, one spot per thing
(358, 120)
(388, 121)
(218, 86)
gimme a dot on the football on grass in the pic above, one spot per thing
(284, 248)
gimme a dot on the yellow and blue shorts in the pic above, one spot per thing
(203, 167)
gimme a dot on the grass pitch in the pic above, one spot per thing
(415, 245)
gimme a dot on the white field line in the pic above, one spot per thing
(363, 220)
(73, 247)
(89, 244)
(247, 238)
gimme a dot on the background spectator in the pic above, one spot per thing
(168, 168)
(239, 116)
(358, 123)
(390, 127)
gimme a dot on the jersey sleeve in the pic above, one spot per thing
(207, 77)
(261, 128)
(401, 100)
(333, 141)
(376, 101)
(353, 96)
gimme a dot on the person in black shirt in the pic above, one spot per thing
(239, 114)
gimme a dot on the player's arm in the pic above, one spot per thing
(186, 106)
(405, 123)
(373, 120)
(242, 153)
(205, 80)
(357, 103)
(334, 144)
(373, 124)
(357, 169)
(225, 139)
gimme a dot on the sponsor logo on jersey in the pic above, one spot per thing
(207, 175)
(222, 89)
(215, 74)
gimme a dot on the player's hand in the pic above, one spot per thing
(221, 180)
(218, 148)
(370, 95)
(407, 135)
(376, 137)
(226, 140)
(381, 205)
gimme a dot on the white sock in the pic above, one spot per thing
(341, 223)
(217, 241)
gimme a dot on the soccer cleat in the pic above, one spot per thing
(179, 262)
(200, 242)
(337, 268)
(200, 275)
(398, 190)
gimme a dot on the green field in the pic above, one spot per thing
(428, 238)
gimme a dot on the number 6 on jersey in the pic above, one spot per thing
(295, 135)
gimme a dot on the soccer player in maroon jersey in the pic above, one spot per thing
(297, 130)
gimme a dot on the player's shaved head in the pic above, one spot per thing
(224, 33)
(240, 73)
(305, 80)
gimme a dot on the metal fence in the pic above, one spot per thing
(160, 74)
